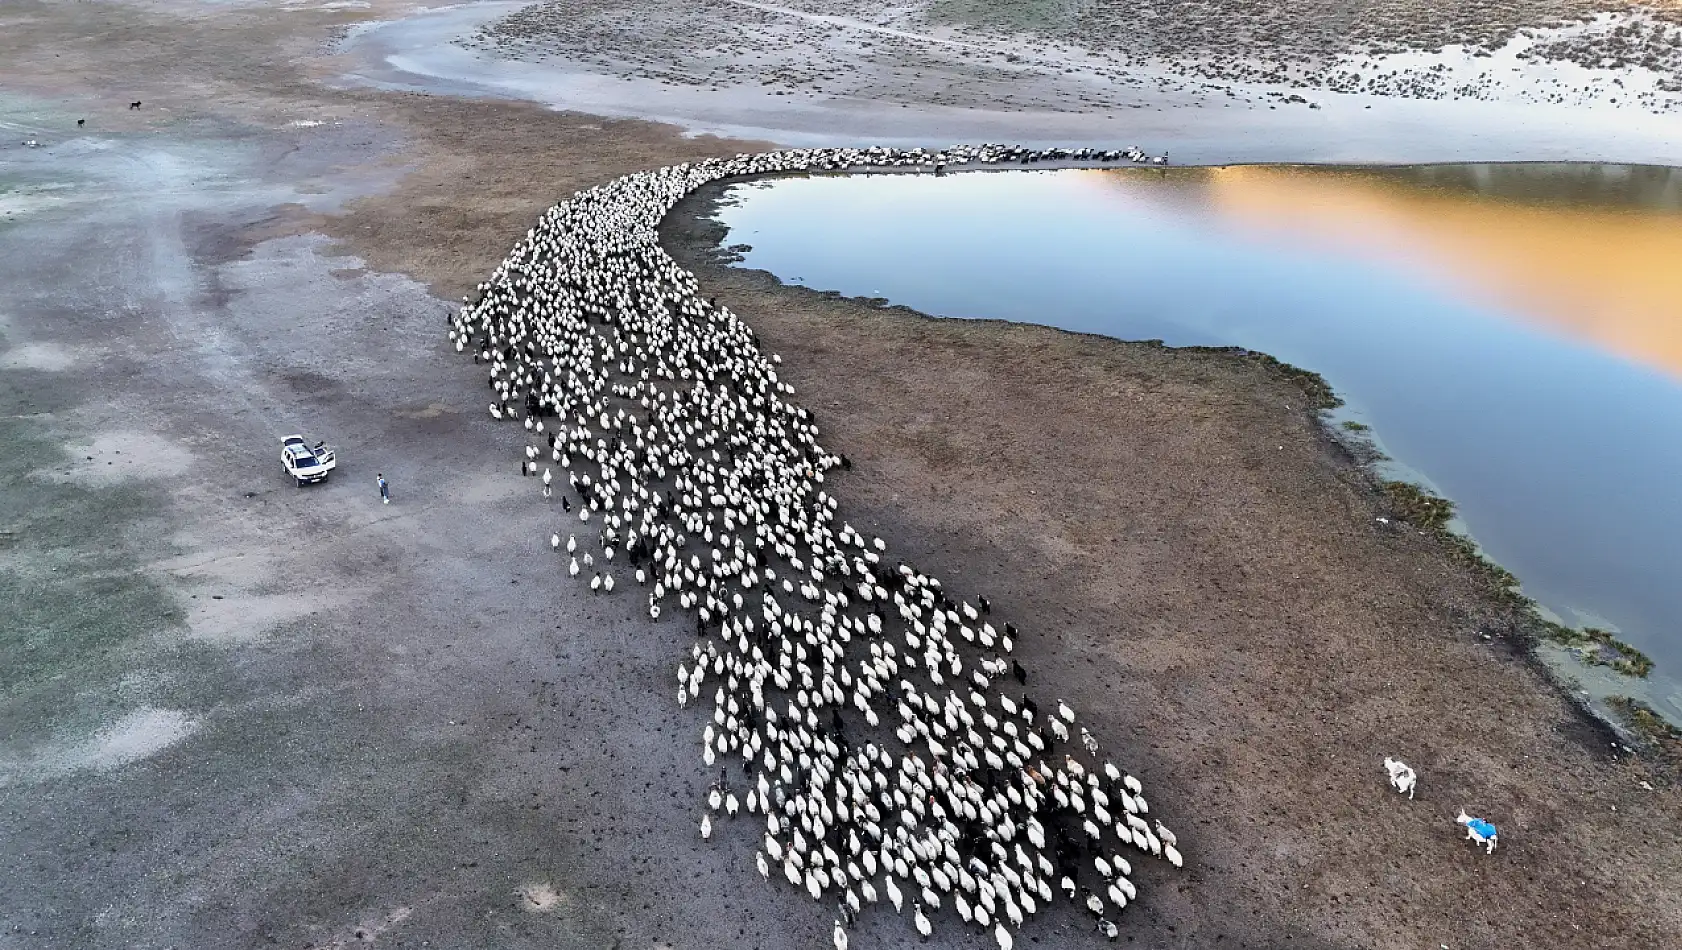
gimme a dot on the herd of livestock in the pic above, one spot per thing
(876, 721)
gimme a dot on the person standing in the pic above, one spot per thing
(385, 490)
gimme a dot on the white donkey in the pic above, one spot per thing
(1478, 830)
(1401, 776)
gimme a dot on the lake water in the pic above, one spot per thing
(1511, 333)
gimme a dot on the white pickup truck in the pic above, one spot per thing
(306, 463)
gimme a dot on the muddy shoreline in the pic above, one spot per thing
(695, 236)
(797, 319)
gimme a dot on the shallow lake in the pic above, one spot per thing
(1511, 333)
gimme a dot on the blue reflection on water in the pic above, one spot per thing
(1565, 461)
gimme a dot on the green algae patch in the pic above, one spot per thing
(1648, 725)
(1598, 647)
(1432, 513)
(1417, 506)
(1320, 393)
(1312, 383)
(1502, 584)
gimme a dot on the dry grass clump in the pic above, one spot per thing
(1417, 506)
(1432, 513)
(1598, 647)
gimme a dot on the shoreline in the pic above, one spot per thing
(794, 322)
(693, 235)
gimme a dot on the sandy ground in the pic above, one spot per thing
(237, 713)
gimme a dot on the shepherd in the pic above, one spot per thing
(385, 490)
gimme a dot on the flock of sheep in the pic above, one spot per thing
(876, 722)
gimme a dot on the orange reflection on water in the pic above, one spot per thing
(1609, 273)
